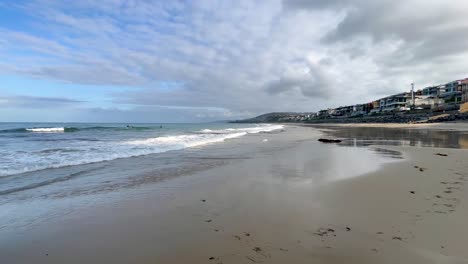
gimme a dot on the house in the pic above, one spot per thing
(376, 104)
(358, 110)
(463, 88)
(395, 102)
(342, 111)
(450, 93)
(427, 102)
(323, 113)
(431, 91)
(375, 107)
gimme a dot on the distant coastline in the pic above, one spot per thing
(407, 117)
(440, 103)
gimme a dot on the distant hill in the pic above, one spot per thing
(276, 117)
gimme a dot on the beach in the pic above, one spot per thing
(385, 194)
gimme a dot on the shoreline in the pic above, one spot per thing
(292, 200)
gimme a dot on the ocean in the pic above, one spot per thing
(29, 147)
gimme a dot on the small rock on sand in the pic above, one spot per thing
(327, 140)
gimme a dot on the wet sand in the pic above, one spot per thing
(290, 200)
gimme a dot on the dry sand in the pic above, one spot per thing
(275, 208)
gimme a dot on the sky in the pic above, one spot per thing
(198, 61)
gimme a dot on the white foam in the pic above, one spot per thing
(46, 129)
(249, 130)
(185, 141)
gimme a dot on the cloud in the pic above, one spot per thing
(37, 102)
(296, 55)
(309, 81)
(424, 27)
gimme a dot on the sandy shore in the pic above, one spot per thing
(292, 201)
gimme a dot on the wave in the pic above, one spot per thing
(41, 130)
(249, 130)
(72, 129)
(22, 162)
(203, 137)
(184, 141)
(46, 129)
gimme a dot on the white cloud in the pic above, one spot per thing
(244, 57)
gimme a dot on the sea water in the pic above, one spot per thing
(28, 147)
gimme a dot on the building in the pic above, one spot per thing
(342, 111)
(395, 102)
(322, 113)
(358, 110)
(450, 93)
(431, 91)
(427, 102)
(376, 105)
(463, 88)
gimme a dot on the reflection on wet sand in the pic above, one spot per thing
(366, 136)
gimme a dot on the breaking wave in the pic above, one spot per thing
(97, 151)
(72, 129)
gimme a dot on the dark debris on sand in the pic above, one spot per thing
(327, 140)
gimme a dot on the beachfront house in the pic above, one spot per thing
(427, 102)
(375, 107)
(450, 93)
(342, 111)
(431, 91)
(358, 110)
(463, 88)
(323, 113)
(395, 102)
